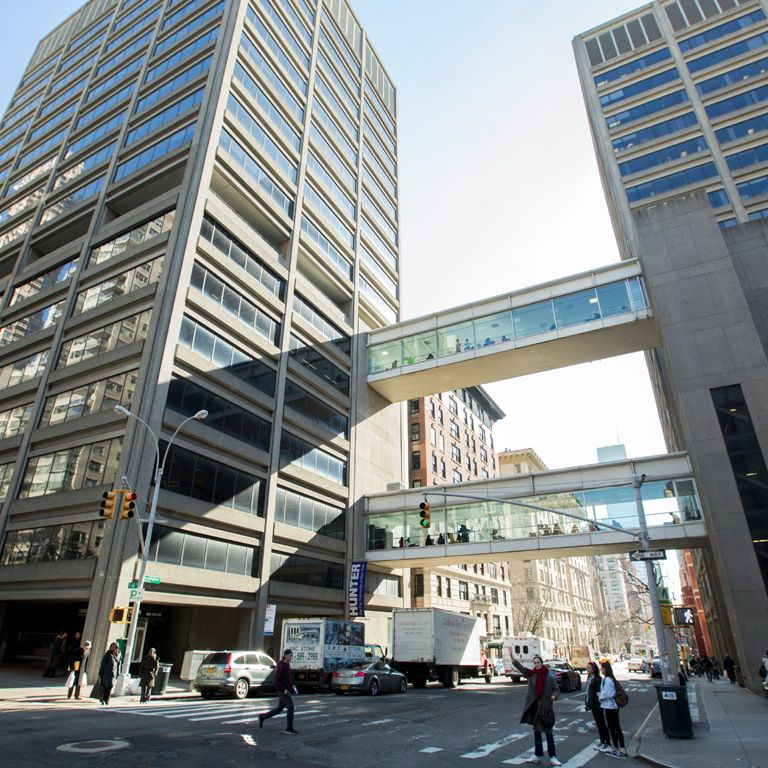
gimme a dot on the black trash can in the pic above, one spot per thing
(675, 713)
(161, 679)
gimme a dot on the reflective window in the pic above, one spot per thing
(96, 397)
(120, 284)
(339, 113)
(296, 569)
(350, 79)
(61, 98)
(653, 132)
(664, 155)
(382, 155)
(187, 29)
(24, 369)
(71, 469)
(381, 274)
(199, 477)
(640, 86)
(381, 304)
(70, 541)
(14, 421)
(235, 251)
(117, 41)
(740, 101)
(328, 71)
(141, 234)
(277, 50)
(718, 197)
(647, 108)
(378, 169)
(174, 84)
(234, 149)
(51, 141)
(341, 142)
(65, 114)
(247, 313)
(285, 31)
(734, 77)
(673, 181)
(300, 453)
(169, 113)
(310, 356)
(382, 249)
(88, 138)
(32, 323)
(22, 204)
(318, 203)
(261, 138)
(753, 187)
(157, 150)
(310, 407)
(121, 74)
(187, 398)
(332, 158)
(105, 339)
(330, 184)
(188, 50)
(212, 347)
(120, 95)
(86, 164)
(638, 65)
(728, 52)
(744, 128)
(320, 323)
(370, 207)
(748, 157)
(140, 42)
(15, 232)
(134, 14)
(43, 282)
(72, 200)
(715, 33)
(301, 511)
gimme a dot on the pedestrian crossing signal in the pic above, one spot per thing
(424, 514)
(121, 615)
(108, 501)
(128, 508)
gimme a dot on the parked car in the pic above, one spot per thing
(656, 667)
(372, 677)
(637, 665)
(566, 676)
(235, 673)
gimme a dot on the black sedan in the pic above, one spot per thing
(372, 677)
(566, 676)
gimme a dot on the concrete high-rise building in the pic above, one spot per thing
(677, 103)
(451, 441)
(199, 211)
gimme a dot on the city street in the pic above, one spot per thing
(431, 727)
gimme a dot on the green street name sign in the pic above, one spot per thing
(133, 584)
(151, 580)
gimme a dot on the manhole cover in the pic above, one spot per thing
(103, 745)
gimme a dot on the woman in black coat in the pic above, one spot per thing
(592, 704)
(108, 671)
(542, 691)
(148, 672)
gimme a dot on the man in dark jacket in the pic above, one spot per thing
(285, 687)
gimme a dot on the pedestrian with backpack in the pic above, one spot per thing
(592, 704)
(612, 697)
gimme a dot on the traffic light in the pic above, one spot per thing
(121, 615)
(108, 501)
(129, 505)
(424, 514)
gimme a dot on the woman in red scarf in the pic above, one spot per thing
(537, 710)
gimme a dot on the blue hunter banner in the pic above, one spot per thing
(357, 590)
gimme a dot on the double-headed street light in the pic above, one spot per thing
(159, 467)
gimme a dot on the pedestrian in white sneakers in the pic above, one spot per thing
(607, 696)
(538, 710)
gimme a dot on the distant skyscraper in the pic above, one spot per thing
(200, 210)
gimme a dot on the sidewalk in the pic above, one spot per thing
(24, 684)
(730, 731)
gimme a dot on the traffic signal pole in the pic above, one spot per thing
(658, 624)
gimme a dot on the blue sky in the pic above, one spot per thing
(498, 184)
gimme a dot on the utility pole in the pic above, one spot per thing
(661, 640)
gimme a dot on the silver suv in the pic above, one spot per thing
(235, 673)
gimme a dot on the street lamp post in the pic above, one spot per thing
(661, 639)
(159, 468)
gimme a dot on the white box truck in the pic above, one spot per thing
(524, 648)
(434, 644)
(321, 646)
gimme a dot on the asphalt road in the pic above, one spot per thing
(430, 728)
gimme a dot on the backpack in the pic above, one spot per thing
(762, 671)
(621, 698)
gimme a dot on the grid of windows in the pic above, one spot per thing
(190, 551)
(25, 369)
(307, 571)
(136, 236)
(310, 407)
(32, 323)
(119, 285)
(14, 421)
(157, 150)
(294, 450)
(52, 543)
(301, 511)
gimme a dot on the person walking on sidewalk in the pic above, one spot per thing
(285, 687)
(592, 704)
(607, 698)
(108, 671)
(148, 671)
(729, 665)
(77, 664)
(537, 709)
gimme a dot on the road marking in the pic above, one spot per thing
(576, 761)
(380, 722)
(248, 739)
(431, 750)
(486, 749)
(254, 719)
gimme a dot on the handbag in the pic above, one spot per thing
(70, 680)
(96, 692)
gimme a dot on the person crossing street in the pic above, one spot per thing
(285, 688)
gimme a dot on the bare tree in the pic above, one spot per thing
(528, 616)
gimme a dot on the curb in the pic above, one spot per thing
(636, 739)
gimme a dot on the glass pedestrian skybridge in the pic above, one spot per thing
(562, 513)
(577, 319)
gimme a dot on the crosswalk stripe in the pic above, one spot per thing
(486, 749)
(298, 716)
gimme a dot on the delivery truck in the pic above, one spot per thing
(434, 644)
(524, 648)
(321, 646)
(581, 655)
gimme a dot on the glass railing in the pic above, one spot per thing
(665, 503)
(592, 305)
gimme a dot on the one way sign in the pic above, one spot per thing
(647, 554)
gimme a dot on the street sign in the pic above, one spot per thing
(137, 594)
(647, 554)
(133, 584)
(156, 579)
